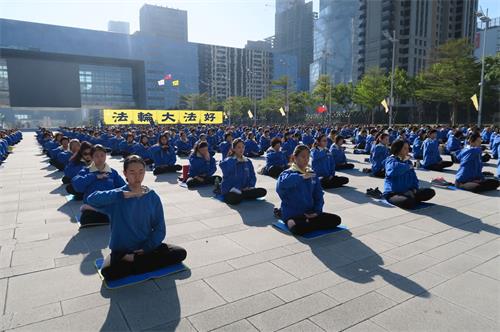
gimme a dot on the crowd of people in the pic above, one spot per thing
(303, 160)
(8, 138)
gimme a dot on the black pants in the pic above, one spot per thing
(333, 182)
(207, 180)
(410, 199)
(66, 180)
(60, 166)
(93, 218)
(254, 154)
(166, 169)
(360, 146)
(321, 222)
(164, 255)
(485, 158)
(275, 171)
(183, 153)
(477, 187)
(379, 174)
(72, 191)
(148, 161)
(254, 193)
(440, 166)
(339, 167)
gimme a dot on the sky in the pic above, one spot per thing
(220, 22)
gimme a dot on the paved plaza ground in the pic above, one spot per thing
(435, 269)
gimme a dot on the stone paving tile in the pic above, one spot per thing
(432, 314)
(455, 266)
(12, 320)
(303, 326)
(234, 311)
(490, 268)
(366, 326)
(241, 326)
(256, 279)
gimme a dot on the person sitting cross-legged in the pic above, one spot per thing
(137, 226)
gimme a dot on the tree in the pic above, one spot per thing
(453, 76)
(371, 90)
(236, 107)
(194, 101)
(343, 95)
(323, 89)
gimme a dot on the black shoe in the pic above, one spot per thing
(375, 193)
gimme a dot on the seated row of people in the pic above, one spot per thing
(8, 138)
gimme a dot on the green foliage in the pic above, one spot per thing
(323, 89)
(372, 89)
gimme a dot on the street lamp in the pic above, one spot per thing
(393, 40)
(486, 20)
(253, 96)
(287, 103)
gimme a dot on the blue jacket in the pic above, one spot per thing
(369, 142)
(471, 165)
(142, 151)
(264, 143)
(288, 147)
(73, 168)
(136, 223)
(379, 154)
(224, 148)
(274, 158)
(199, 166)
(416, 149)
(86, 182)
(126, 147)
(399, 176)
(453, 144)
(323, 163)
(63, 157)
(163, 157)
(485, 136)
(338, 154)
(307, 139)
(115, 143)
(237, 174)
(251, 146)
(431, 153)
(183, 146)
(494, 148)
(298, 195)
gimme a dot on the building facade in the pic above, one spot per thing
(420, 26)
(335, 42)
(119, 27)
(163, 21)
(492, 39)
(294, 35)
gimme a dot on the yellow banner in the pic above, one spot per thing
(145, 117)
(475, 102)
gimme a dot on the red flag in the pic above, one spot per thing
(168, 77)
(321, 109)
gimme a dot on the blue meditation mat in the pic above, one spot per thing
(138, 278)
(69, 197)
(419, 206)
(220, 197)
(280, 225)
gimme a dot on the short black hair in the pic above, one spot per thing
(397, 146)
(133, 159)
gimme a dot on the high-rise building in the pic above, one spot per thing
(166, 22)
(294, 35)
(420, 26)
(119, 27)
(229, 71)
(492, 39)
(335, 42)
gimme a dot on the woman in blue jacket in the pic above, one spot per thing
(401, 183)
(238, 176)
(201, 166)
(323, 164)
(137, 226)
(127, 146)
(252, 149)
(417, 147)
(432, 159)
(64, 156)
(469, 176)
(338, 154)
(302, 197)
(276, 161)
(164, 157)
(76, 163)
(453, 144)
(379, 154)
(97, 177)
(183, 145)
(142, 149)
(225, 146)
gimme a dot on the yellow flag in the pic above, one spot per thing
(475, 102)
(175, 83)
(282, 111)
(250, 115)
(386, 106)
